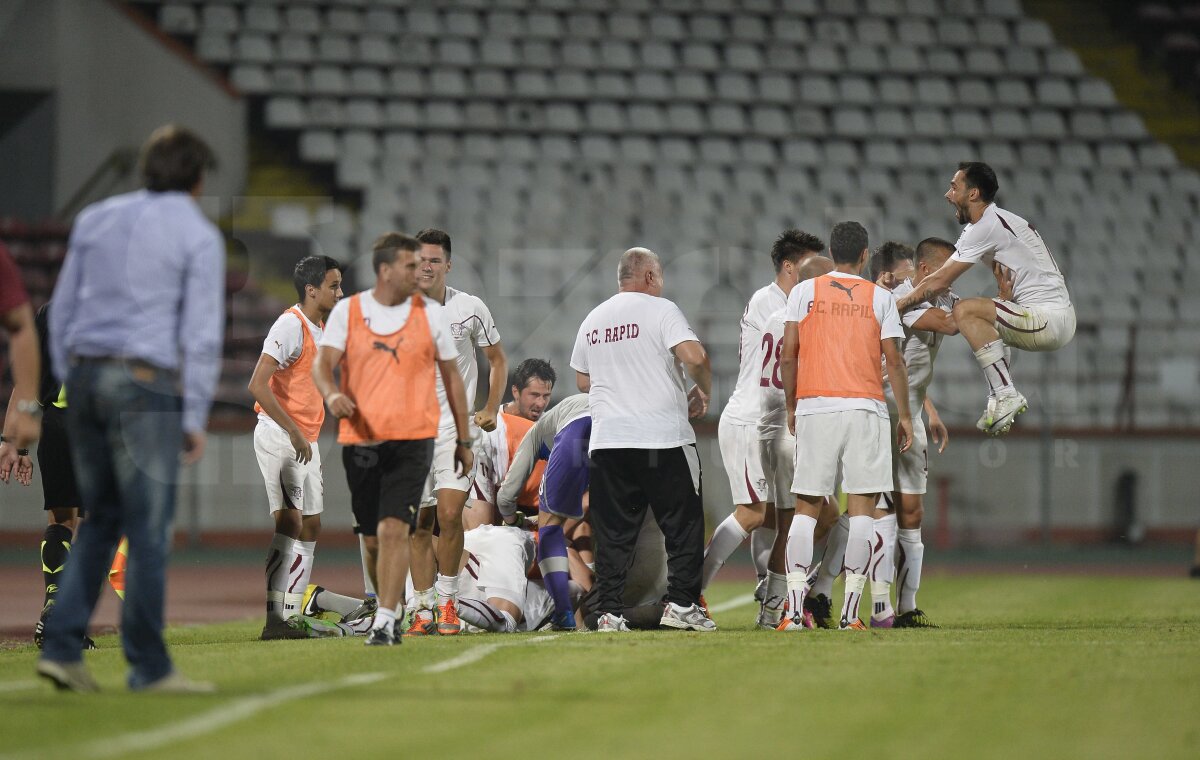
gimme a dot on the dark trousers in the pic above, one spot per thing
(624, 483)
(126, 434)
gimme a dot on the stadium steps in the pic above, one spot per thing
(1171, 115)
(273, 175)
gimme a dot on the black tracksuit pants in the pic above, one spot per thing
(624, 483)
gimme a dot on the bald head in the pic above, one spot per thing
(640, 271)
(815, 266)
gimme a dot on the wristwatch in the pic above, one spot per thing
(27, 406)
(466, 444)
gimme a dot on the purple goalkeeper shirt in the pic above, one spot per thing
(144, 278)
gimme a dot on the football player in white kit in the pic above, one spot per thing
(778, 451)
(899, 513)
(1039, 317)
(290, 414)
(737, 431)
(471, 326)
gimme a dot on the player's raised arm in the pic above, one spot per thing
(934, 285)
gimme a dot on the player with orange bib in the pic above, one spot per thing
(391, 343)
(838, 326)
(290, 415)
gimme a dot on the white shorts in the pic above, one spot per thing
(289, 483)
(910, 470)
(856, 439)
(743, 463)
(1034, 328)
(498, 558)
(443, 473)
(778, 458)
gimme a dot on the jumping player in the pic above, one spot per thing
(1039, 317)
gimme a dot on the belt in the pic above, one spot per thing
(140, 369)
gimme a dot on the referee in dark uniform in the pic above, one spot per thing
(631, 357)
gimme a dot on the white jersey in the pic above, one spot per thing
(471, 325)
(772, 421)
(1004, 237)
(638, 395)
(743, 405)
(284, 343)
(920, 348)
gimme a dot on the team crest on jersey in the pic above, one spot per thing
(458, 330)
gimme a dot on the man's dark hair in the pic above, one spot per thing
(431, 236)
(311, 270)
(888, 256)
(174, 159)
(981, 177)
(385, 248)
(793, 245)
(847, 241)
(931, 244)
(531, 368)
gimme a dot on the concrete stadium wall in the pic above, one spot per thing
(113, 81)
(994, 489)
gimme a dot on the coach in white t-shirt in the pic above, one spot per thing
(632, 356)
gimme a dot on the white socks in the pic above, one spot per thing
(368, 587)
(279, 559)
(384, 619)
(342, 605)
(446, 587)
(761, 541)
(299, 572)
(883, 567)
(777, 588)
(799, 560)
(910, 555)
(725, 540)
(858, 561)
(423, 600)
(993, 360)
(483, 615)
(835, 554)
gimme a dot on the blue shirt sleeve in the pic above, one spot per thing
(201, 329)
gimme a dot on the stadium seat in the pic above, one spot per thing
(178, 19)
(219, 19)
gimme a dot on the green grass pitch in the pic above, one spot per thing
(1024, 666)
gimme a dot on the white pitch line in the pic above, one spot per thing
(205, 723)
(476, 654)
(732, 604)
(17, 686)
